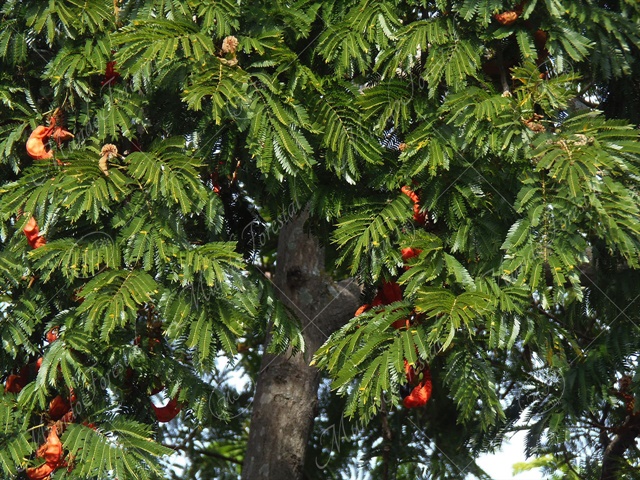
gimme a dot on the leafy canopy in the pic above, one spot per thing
(521, 300)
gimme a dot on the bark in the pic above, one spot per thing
(286, 399)
(613, 458)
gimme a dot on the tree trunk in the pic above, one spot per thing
(613, 458)
(285, 400)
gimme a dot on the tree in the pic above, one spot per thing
(469, 169)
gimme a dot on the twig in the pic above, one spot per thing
(506, 92)
(218, 455)
(567, 462)
(183, 445)
(556, 319)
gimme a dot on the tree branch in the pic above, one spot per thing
(218, 455)
(183, 445)
(556, 319)
(567, 462)
(387, 436)
(613, 457)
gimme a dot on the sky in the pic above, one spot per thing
(499, 465)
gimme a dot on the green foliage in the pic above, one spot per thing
(342, 136)
(120, 447)
(520, 302)
(366, 232)
(15, 441)
(157, 44)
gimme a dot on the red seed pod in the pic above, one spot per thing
(58, 407)
(40, 473)
(39, 242)
(418, 215)
(410, 252)
(32, 232)
(61, 135)
(53, 334)
(110, 74)
(14, 383)
(68, 417)
(421, 393)
(51, 451)
(390, 292)
(410, 193)
(402, 323)
(37, 144)
(37, 147)
(31, 227)
(168, 412)
(507, 18)
(540, 39)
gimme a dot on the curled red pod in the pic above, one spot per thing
(37, 147)
(110, 74)
(390, 292)
(410, 252)
(38, 242)
(14, 383)
(402, 323)
(418, 397)
(32, 232)
(51, 450)
(421, 393)
(40, 473)
(419, 216)
(507, 18)
(168, 412)
(60, 135)
(58, 407)
(31, 227)
(53, 334)
(68, 417)
(410, 193)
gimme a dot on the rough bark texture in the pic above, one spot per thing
(613, 458)
(285, 401)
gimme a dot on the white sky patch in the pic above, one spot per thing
(500, 465)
